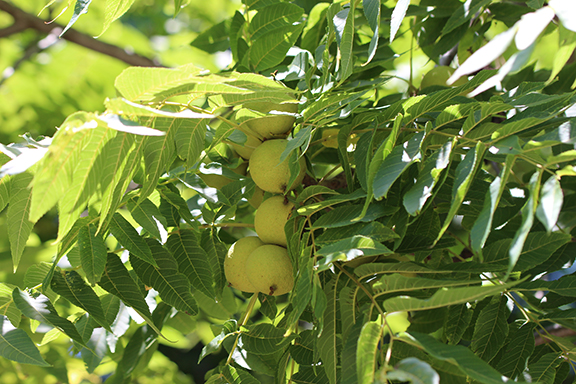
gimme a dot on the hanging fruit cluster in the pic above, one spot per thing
(261, 263)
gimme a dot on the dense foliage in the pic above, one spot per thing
(432, 238)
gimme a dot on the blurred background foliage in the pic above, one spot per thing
(43, 80)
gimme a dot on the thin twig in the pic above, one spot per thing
(24, 20)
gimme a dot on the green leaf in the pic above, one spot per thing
(373, 230)
(148, 216)
(414, 371)
(216, 252)
(345, 41)
(19, 225)
(327, 341)
(397, 17)
(395, 164)
(313, 207)
(237, 375)
(372, 13)
(345, 215)
(274, 17)
(565, 286)
(491, 329)
(464, 176)
(483, 224)
(54, 175)
(190, 139)
(310, 375)
(177, 203)
(127, 236)
(92, 253)
(270, 50)
(419, 193)
(544, 370)
(16, 345)
(515, 359)
(470, 364)
(367, 351)
(264, 339)
(527, 212)
(214, 39)
(485, 55)
(172, 285)
(459, 317)
(72, 287)
(349, 356)
(550, 204)
(463, 14)
(114, 9)
(349, 249)
(444, 297)
(398, 283)
(7, 306)
(118, 282)
(122, 157)
(41, 309)
(80, 8)
(159, 153)
(86, 177)
(192, 260)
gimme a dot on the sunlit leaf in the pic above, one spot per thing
(172, 285)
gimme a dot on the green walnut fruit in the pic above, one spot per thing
(438, 76)
(235, 263)
(267, 171)
(245, 150)
(269, 269)
(270, 219)
(276, 123)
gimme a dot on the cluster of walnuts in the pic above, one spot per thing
(261, 263)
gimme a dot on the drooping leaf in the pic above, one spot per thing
(19, 225)
(130, 239)
(491, 329)
(550, 203)
(397, 17)
(515, 359)
(367, 351)
(414, 371)
(80, 8)
(192, 260)
(395, 164)
(264, 339)
(114, 9)
(464, 175)
(92, 253)
(327, 342)
(527, 212)
(462, 357)
(172, 285)
(443, 297)
(372, 12)
(7, 306)
(16, 345)
(71, 286)
(483, 224)
(41, 309)
(54, 174)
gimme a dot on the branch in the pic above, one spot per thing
(23, 20)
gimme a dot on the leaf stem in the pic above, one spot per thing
(242, 323)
